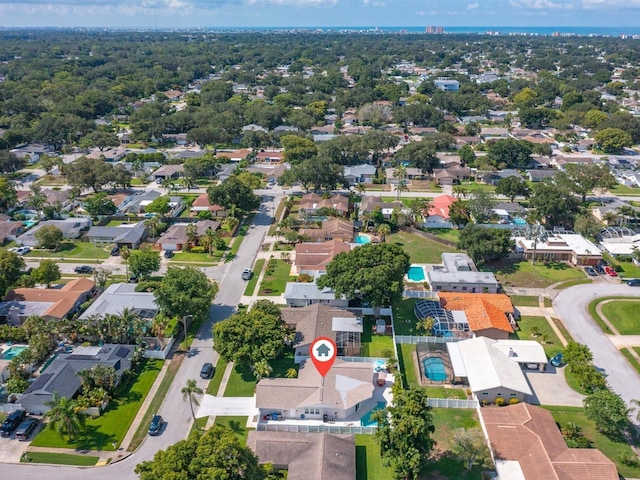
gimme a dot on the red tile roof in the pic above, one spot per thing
(483, 310)
(440, 206)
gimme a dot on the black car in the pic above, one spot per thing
(83, 269)
(156, 425)
(11, 422)
(207, 370)
(115, 251)
(600, 269)
(168, 254)
(590, 271)
(26, 428)
(132, 279)
(634, 282)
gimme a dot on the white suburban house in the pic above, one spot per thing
(458, 273)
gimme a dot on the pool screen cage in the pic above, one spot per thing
(432, 350)
(446, 323)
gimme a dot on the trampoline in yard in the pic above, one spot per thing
(434, 369)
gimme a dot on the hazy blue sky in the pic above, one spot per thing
(274, 13)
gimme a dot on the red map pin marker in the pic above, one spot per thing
(323, 353)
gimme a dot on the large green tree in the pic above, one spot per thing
(8, 195)
(233, 193)
(216, 454)
(11, 266)
(143, 262)
(49, 236)
(373, 273)
(185, 291)
(405, 432)
(99, 204)
(510, 153)
(612, 140)
(583, 178)
(609, 412)
(46, 273)
(553, 205)
(10, 163)
(297, 149)
(250, 337)
(512, 187)
(316, 174)
(485, 244)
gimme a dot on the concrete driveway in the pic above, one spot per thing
(11, 449)
(551, 388)
(229, 406)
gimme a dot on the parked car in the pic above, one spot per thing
(168, 254)
(11, 422)
(26, 428)
(599, 268)
(610, 271)
(590, 271)
(156, 425)
(115, 251)
(247, 273)
(557, 360)
(207, 371)
(83, 269)
(634, 282)
(132, 279)
(23, 250)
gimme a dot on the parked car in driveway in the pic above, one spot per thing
(557, 360)
(599, 268)
(156, 425)
(83, 269)
(26, 428)
(168, 254)
(115, 251)
(11, 422)
(634, 282)
(610, 271)
(590, 271)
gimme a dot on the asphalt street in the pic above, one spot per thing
(571, 306)
(174, 410)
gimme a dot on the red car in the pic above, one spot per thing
(610, 271)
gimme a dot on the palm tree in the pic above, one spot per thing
(610, 218)
(361, 188)
(192, 235)
(159, 326)
(125, 253)
(63, 416)
(188, 182)
(36, 199)
(210, 239)
(459, 191)
(153, 224)
(383, 230)
(190, 392)
(262, 369)
(400, 173)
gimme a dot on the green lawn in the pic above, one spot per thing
(527, 324)
(368, 462)
(374, 345)
(69, 249)
(112, 425)
(274, 283)
(242, 383)
(419, 249)
(281, 365)
(60, 459)
(214, 383)
(623, 314)
(204, 258)
(624, 190)
(624, 321)
(629, 270)
(631, 359)
(407, 368)
(611, 449)
(451, 234)
(565, 333)
(539, 275)
(442, 392)
(524, 300)
(251, 284)
(472, 187)
(404, 320)
(237, 424)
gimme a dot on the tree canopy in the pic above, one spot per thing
(373, 272)
(405, 432)
(215, 454)
(484, 244)
(185, 291)
(233, 193)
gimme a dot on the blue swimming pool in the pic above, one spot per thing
(366, 421)
(363, 238)
(13, 351)
(519, 221)
(416, 273)
(434, 369)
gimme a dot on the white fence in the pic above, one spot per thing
(413, 339)
(10, 407)
(452, 403)
(420, 294)
(336, 429)
(160, 354)
(363, 359)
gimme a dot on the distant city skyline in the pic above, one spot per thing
(318, 13)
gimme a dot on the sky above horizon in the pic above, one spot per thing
(309, 13)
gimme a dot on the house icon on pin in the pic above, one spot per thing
(323, 351)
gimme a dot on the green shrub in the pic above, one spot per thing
(198, 249)
(628, 458)
(513, 401)
(500, 401)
